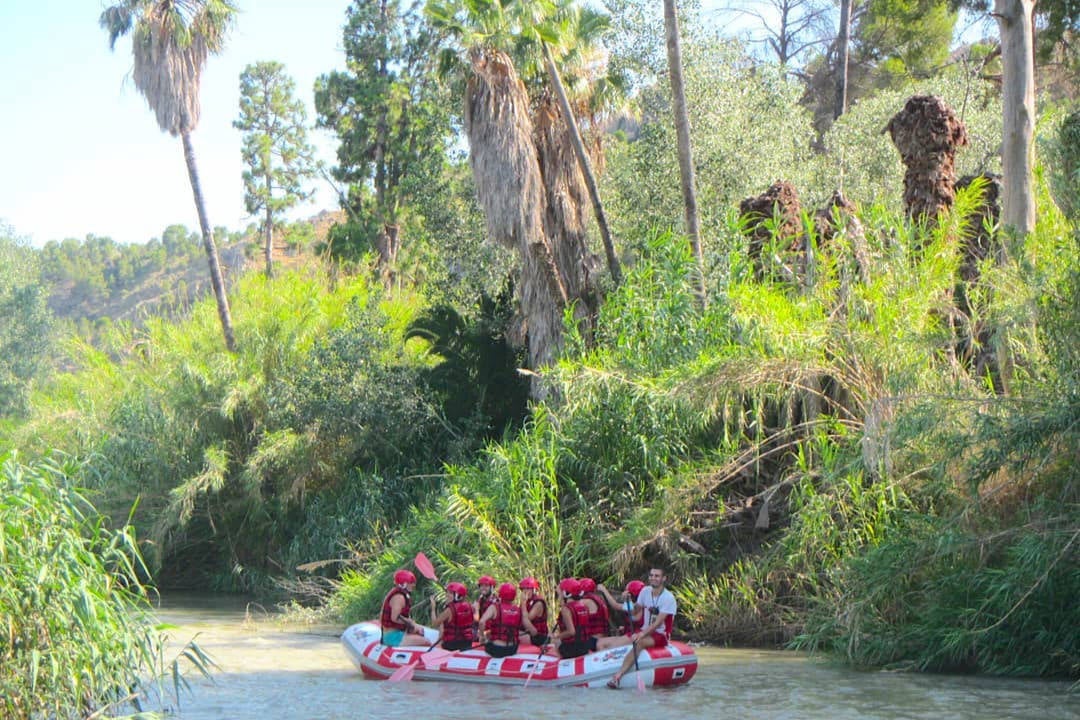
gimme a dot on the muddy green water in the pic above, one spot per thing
(269, 671)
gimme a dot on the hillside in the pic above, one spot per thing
(128, 283)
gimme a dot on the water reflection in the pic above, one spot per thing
(269, 672)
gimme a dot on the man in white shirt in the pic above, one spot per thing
(659, 606)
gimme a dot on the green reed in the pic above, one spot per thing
(76, 638)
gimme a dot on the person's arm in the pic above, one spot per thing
(568, 630)
(538, 609)
(608, 597)
(439, 623)
(397, 604)
(527, 623)
(488, 615)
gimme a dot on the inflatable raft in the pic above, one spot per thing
(671, 665)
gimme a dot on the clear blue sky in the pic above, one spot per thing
(80, 152)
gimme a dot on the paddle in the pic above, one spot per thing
(536, 665)
(637, 670)
(405, 672)
(424, 566)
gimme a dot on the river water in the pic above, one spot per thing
(271, 671)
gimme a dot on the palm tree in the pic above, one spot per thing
(583, 161)
(170, 41)
(682, 131)
(503, 157)
(583, 87)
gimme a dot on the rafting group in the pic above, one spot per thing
(589, 618)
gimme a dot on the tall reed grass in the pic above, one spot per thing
(76, 635)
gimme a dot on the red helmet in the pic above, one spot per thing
(570, 586)
(507, 592)
(404, 577)
(634, 587)
(486, 580)
(587, 585)
(529, 583)
(457, 588)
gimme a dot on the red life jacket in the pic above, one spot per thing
(386, 612)
(506, 624)
(460, 625)
(541, 623)
(598, 621)
(483, 603)
(580, 615)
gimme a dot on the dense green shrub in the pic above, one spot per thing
(747, 131)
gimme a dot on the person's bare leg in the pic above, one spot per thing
(413, 639)
(640, 644)
(610, 642)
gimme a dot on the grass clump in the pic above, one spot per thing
(76, 635)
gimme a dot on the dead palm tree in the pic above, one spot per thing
(503, 157)
(579, 86)
(170, 41)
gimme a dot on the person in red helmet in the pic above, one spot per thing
(633, 616)
(535, 609)
(455, 622)
(658, 604)
(571, 635)
(502, 623)
(397, 627)
(485, 598)
(599, 616)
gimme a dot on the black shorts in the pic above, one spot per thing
(457, 644)
(539, 640)
(573, 649)
(500, 650)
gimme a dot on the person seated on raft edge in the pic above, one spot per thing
(634, 615)
(534, 607)
(398, 628)
(502, 623)
(599, 624)
(571, 637)
(659, 605)
(455, 622)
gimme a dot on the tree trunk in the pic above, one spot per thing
(1018, 101)
(268, 231)
(583, 162)
(843, 41)
(682, 132)
(566, 212)
(216, 279)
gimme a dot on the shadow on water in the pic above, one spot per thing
(273, 672)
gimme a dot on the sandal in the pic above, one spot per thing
(613, 683)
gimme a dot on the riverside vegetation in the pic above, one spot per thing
(814, 455)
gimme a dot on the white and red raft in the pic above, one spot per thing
(656, 667)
